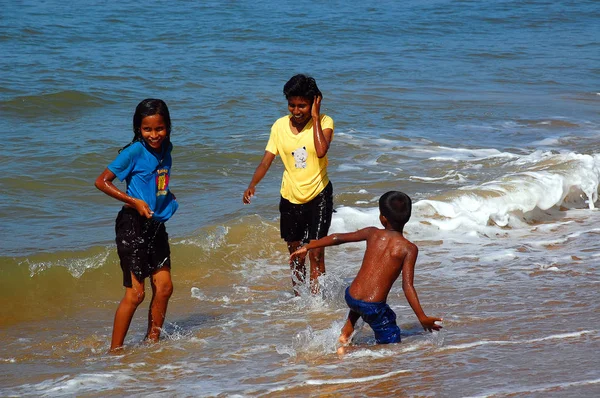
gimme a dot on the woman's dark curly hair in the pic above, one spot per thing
(301, 86)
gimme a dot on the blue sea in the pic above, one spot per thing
(486, 113)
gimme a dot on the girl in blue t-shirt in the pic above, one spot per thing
(142, 240)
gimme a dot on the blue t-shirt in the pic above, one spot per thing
(147, 176)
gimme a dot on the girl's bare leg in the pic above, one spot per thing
(162, 288)
(134, 295)
(348, 327)
(317, 267)
(298, 267)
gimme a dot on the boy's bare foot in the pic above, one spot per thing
(344, 339)
(346, 333)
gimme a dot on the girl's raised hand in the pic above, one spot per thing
(315, 111)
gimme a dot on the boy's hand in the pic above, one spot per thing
(300, 253)
(429, 323)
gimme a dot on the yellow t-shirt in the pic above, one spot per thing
(305, 175)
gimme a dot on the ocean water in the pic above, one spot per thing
(485, 113)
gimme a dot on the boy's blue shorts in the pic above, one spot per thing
(379, 316)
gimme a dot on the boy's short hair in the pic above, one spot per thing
(396, 207)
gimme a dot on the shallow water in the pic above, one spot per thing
(486, 114)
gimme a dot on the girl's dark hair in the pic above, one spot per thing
(396, 207)
(149, 107)
(301, 86)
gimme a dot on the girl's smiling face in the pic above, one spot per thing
(300, 108)
(154, 131)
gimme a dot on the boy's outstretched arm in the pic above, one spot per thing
(331, 240)
(408, 271)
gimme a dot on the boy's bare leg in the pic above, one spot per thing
(134, 295)
(317, 267)
(162, 288)
(348, 327)
(298, 267)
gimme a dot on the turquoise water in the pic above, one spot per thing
(485, 113)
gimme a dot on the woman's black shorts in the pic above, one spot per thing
(142, 245)
(307, 221)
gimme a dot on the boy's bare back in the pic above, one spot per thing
(387, 253)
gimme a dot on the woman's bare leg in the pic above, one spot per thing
(317, 267)
(298, 267)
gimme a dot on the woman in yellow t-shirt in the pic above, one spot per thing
(302, 140)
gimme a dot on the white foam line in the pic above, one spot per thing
(562, 336)
(354, 380)
(505, 342)
(543, 388)
(317, 382)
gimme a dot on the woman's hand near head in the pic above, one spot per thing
(322, 137)
(315, 111)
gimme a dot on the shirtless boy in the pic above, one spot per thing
(388, 253)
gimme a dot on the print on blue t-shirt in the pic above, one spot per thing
(147, 176)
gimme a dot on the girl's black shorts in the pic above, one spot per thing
(307, 221)
(142, 245)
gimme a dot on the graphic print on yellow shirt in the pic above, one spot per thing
(300, 155)
(305, 175)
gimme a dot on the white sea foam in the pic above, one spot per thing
(546, 142)
(333, 381)
(451, 176)
(317, 341)
(550, 182)
(196, 293)
(355, 379)
(506, 202)
(546, 387)
(442, 153)
(348, 167)
(75, 266)
(208, 240)
(84, 382)
(348, 219)
(515, 342)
